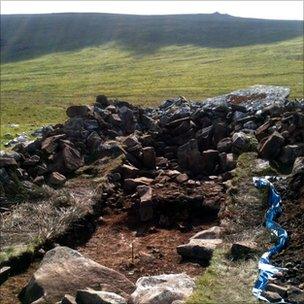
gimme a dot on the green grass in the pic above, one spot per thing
(225, 282)
(242, 214)
(36, 92)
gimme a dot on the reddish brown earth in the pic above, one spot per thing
(10, 289)
(153, 253)
(111, 245)
(292, 257)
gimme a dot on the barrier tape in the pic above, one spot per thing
(266, 270)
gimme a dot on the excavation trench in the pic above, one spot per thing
(114, 237)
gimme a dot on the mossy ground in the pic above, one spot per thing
(225, 281)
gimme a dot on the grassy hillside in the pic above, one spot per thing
(36, 92)
(27, 36)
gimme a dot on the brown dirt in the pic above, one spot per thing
(10, 289)
(154, 249)
(292, 220)
(110, 245)
(153, 253)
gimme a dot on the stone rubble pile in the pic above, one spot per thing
(175, 159)
(198, 139)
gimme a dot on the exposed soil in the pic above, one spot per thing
(292, 257)
(10, 289)
(153, 253)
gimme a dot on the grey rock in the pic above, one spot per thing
(253, 98)
(282, 291)
(224, 145)
(68, 299)
(90, 124)
(162, 289)
(215, 232)
(56, 179)
(7, 162)
(90, 296)
(4, 273)
(182, 178)
(64, 271)
(242, 142)
(189, 156)
(199, 249)
(127, 119)
(31, 161)
(271, 296)
(251, 125)
(290, 152)
(39, 180)
(209, 161)
(149, 157)
(298, 166)
(131, 183)
(78, 111)
(146, 204)
(272, 146)
(243, 250)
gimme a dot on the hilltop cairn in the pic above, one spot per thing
(196, 139)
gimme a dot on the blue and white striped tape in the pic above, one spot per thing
(266, 270)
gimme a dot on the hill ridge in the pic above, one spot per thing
(29, 36)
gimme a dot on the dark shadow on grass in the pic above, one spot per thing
(29, 36)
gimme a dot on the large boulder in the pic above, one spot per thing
(64, 271)
(243, 250)
(163, 289)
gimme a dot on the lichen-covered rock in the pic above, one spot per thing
(162, 289)
(90, 296)
(64, 271)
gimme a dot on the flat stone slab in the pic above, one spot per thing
(199, 249)
(255, 97)
(214, 232)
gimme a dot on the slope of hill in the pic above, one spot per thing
(28, 36)
(36, 92)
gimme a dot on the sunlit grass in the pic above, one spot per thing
(36, 92)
